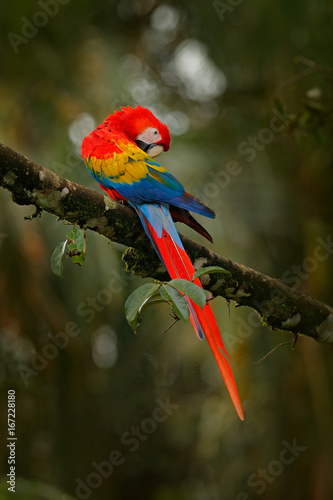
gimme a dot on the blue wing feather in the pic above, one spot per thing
(155, 187)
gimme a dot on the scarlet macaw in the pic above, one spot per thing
(119, 155)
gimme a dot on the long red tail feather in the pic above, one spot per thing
(203, 320)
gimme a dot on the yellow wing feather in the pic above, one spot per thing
(126, 167)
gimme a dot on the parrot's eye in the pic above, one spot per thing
(149, 136)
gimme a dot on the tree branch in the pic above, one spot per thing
(280, 306)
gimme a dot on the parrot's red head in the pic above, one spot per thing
(142, 127)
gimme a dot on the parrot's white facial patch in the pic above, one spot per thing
(155, 150)
(149, 136)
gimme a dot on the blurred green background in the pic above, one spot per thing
(225, 77)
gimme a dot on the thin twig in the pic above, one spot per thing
(313, 67)
(276, 347)
(170, 326)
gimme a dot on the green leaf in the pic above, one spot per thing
(77, 236)
(78, 259)
(76, 245)
(191, 290)
(164, 294)
(178, 302)
(136, 301)
(152, 302)
(210, 270)
(56, 259)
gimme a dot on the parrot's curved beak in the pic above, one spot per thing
(152, 149)
(142, 145)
